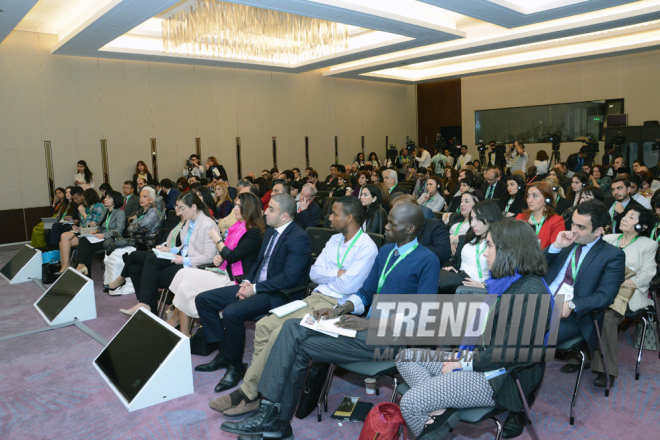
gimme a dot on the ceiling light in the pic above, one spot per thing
(227, 30)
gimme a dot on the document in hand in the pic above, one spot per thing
(326, 326)
(164, 255)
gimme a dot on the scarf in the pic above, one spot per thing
(234, 234)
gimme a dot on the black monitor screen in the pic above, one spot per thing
(17, 262)
(134, 355)
(61, 293)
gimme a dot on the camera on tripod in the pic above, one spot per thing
(392, 152)
(454, 147)
(619, 139)
(555, 140)
(482, 147)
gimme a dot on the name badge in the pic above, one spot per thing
(567, 291)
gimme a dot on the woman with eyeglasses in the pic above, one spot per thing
(540, 213)
(514, 202)
(197, 248)
(636, 227)
(237, 254)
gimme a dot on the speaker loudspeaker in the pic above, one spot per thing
(141, 377)
(70, 296)
(23, 266)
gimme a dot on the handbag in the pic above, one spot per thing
(450, 281)
(198, 344)
(48, 271)
(383, 422)
(650, 338)
(111, 245)
(309, 399)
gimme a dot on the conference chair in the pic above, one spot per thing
(326, 211)
(319, 237)
(437, 215)
(477, 416)
(576, 345)
(321, 196)
(645, 316)
(379, 239)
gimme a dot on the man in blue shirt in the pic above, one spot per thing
(403, 267)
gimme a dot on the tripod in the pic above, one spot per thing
(556, 156)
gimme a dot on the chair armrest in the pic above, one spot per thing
(288, 294)
(594, 313)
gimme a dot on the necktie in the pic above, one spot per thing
(124, 205)
(568, 276)
(267, 254)
(489, 193)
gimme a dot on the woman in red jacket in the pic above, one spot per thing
(541, 215)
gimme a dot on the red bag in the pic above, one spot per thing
(382, 423)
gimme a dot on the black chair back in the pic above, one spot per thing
(437, 215)
(319, 237)
(379, 239)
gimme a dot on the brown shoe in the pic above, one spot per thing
(221, 403)
(242, 408)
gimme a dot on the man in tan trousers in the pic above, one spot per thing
(339, 271)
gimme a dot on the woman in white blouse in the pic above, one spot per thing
(469, 259)
(432, 198)
(459, 222)
(84, 177)
(541, 163)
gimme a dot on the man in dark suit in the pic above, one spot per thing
(283, 263)
(331, 179)
(608, 156)
(390, 179)
(621, 190)
(492, 187)
(169, 193)
(131, 201)
(599, 272)
(309, 213)
(576, 161)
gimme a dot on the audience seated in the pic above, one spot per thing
(206, 196)
(213, 169)
(113, 220)
(578, 182)
(337, 279)
(264, 191)
(420, 185)
(60, 206)
(514, 202)
(331, 179)
(432, 195)
(196, 249)
(459, 222)
(390, 179)
(433, 235)
(141, 172)
(90, 209)
(410, 271)
(343, 187)
(599, 179)
(621, 191)
(169, 193)
(493, 188)
(282, 263)
(561, 204)
(468, 262)
(540, 213)
(223, 201)
(438, 389)
(237, 254)
(363, 179)
(84, 177)
(130, 203)
(578, 252)
(636, 183)
(450, 182)
(309, 214)
(640, 251)
(466, 185)
(371, 198)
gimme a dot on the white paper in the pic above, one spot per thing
(289, 308)
(92, 238)
(164, 255)
(310, 322)
(326, 326)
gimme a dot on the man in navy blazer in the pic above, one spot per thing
(283, 262)
(170, 193)
(600, 272)
(309, 213)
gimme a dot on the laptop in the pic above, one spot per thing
(48, 222)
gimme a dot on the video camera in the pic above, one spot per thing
(555, 140)
(619, 138)
(392, 152)
(190, 164)
(481, 147)
(590, 147)
(454, 147)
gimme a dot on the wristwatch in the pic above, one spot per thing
(571, 305)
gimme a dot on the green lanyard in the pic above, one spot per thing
(612, 211)
(175, 232)
(340, 265)
(633, 240)
(538, 225)
(479, 253)
(557, 199)
(654, 235)
(429, 200)
(383, 275)
(575, 270)
(458, 228)
(107, 220)
(508, 204)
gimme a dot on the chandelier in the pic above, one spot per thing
(209, 28)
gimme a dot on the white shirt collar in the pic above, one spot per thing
(281, 229)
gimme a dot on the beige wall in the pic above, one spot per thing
(76, 102)
(631, 77)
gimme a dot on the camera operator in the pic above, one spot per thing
(193, 168)
(519, 158)
(576, 161)
(464, 158)
(423, 158)
(492, 154)
(439, 161)
(401, 162)
(608, 157)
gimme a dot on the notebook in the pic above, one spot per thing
(288, 308)
(326, 326)
(164, 255)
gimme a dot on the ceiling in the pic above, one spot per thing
(405, 41)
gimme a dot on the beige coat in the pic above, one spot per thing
(640, 257)
(201, 248)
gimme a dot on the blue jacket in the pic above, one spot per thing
(171, 198)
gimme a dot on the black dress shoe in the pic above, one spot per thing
(514, 424)
(601, 382)
(574, 368)
(441, 425)
(107, 288)
(231, 378)
(265, 421)
(217, 363)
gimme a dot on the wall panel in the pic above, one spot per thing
(206, 112)
(138, 114)
(286, 158)
(224, 80)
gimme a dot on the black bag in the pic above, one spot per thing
(450, 281)
(48, 271)
(309, 399)
(198, 344)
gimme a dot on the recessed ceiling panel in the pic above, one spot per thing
(12, 13)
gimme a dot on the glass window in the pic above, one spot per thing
(534, 124)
